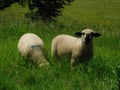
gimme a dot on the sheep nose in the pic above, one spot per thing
(88, 39)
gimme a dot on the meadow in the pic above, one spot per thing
(101, 73)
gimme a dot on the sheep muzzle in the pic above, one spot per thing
(88, 39)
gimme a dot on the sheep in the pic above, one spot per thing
(79, 50)
(31, 47)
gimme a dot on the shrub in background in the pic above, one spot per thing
(45, 9)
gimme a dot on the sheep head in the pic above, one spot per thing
(87, 35)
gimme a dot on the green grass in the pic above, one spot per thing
(94, 11)
(103, 71)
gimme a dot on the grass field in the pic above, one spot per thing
(103, 71)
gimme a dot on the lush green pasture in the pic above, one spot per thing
(102, 72)
(95, 11)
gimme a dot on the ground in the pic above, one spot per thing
(101, 73)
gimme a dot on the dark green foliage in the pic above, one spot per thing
(46, 9)
(6, 3)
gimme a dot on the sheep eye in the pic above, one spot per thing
(92, 33)
(83, 33)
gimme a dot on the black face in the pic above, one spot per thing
(88, 38)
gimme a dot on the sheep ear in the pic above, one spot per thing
(78, 33)
(96, 34)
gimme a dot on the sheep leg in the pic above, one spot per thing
(54, 54)
(74, 62)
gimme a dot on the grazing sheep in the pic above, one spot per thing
(31, 47)
(79, 50)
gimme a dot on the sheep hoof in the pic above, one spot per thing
(44, 65)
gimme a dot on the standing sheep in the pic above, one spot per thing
(31, 47)
(79, 50)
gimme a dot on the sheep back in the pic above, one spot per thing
(63, 45)
(32, 47)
